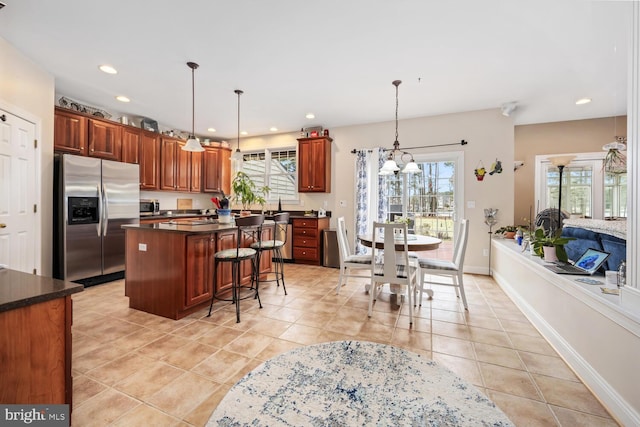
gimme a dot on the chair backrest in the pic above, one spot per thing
(249, 228)
(394, 263)
(343, 244)
(282, 221)
(460, 247)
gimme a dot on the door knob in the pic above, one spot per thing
(3, 225)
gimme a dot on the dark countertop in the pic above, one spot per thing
(197, 214)
(18, 289)
(182, 225)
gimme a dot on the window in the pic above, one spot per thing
(430, 198)
(276, 169)
(587, 191)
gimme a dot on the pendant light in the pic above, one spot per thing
(390, 166)
(192, 143)
(237, 155)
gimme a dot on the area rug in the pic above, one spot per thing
(354, 383)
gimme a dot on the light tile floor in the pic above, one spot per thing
(131, 368)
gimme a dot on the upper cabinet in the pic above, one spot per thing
(105, 140)
(149, 161)
(216, 170)
(131, 145)
(70, 133)
(78, 134)
(179, 170)
(314, 165)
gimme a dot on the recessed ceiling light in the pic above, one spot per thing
(310, 116)
(583, 101)
(244, 132)
(122, 98)
(273, 129)
(108, 69)
(211, 130)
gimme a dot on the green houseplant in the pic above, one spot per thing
(509, 231)
(540, 240)
(246, 192)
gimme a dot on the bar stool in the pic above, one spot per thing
(249, 228)
(275, 245)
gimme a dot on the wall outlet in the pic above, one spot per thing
(471, 204)
(142, 247)
(301, 202)
(485, 252)
(343, 203)
(325, 204)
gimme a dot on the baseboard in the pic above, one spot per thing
(624, 413)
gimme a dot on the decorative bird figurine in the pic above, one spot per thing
(496, 167)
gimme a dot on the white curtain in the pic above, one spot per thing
(369, 204)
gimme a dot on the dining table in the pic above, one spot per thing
(415, 243)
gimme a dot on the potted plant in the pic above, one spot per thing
(550, 246)
(246, 192)
(509, 231)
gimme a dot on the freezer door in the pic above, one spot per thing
(121, 201)
(82, 239)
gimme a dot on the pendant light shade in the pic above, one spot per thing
(237, 155)
(390, 166)
(192, 143)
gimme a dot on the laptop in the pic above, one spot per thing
(588, 263)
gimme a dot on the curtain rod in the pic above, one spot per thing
(462, 142)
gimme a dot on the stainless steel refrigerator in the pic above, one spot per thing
(93, 198)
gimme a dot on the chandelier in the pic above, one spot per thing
(390, 166)
(615, 161)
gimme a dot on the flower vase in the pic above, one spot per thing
(550, 253)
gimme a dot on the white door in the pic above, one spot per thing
(17, 193)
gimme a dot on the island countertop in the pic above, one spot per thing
(18, 289)
(193, 226)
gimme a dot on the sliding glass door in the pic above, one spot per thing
(431, 200)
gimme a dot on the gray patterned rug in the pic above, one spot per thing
(354, 383)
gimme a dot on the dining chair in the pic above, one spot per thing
(275, 245)
(441, 268)
(349, 261)
(393, 264)
(249, 228)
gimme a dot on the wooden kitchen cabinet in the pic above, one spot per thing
(314, 165)
(199, 284)
(130, 145)
(149, 161)
(226, 240)
(70, 133)
(307, 234)
(105, 140)
(175, 165)
(216, 170)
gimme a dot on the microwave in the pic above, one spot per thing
(149, 207)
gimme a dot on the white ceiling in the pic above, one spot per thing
(335, 58)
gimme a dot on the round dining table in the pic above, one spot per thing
(415, 242)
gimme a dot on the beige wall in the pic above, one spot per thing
(490, 136)
(28, 91)
(577, 136)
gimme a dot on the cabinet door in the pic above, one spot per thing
(130, 145)
(196, 172)
(305, 166)
(168, 164)
(314, 165)
(211, 171)
(183, 168)
(199, 280)
(149, 161)
(225, 170)
(70, 133)
(226, 240)
(105, 140)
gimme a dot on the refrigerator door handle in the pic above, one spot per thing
(105, 210)
(100, 204)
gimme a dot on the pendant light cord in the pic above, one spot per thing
(238, 92)
(396, 83)
(193, 67)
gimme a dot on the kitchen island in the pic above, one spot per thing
(35, 338)
(170, 268)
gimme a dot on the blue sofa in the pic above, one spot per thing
(586, 239)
